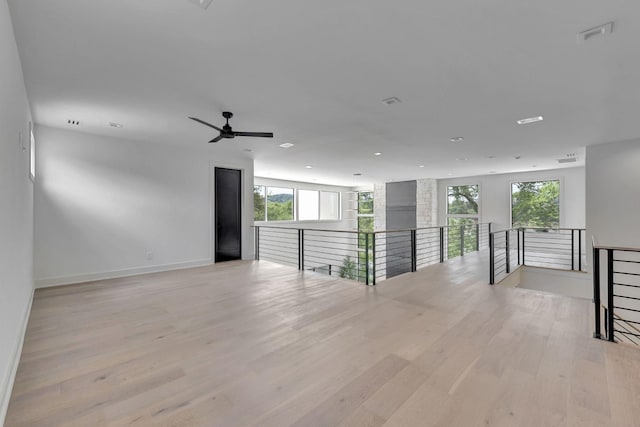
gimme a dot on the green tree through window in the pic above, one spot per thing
(535, 204)
(462, 219)
(259, 203)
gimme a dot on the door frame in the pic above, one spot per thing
(245, 246)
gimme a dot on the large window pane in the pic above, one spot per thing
(308, 205)
(329, 205)
(259, 203)
(535, 204)
(462, 200)
(279, 204)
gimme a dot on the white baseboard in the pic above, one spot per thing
(81, 278)
(7, 387)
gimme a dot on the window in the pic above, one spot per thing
(535, 204)
(462, 219)
(365, 225)
(259, 203)
(329, 205)
(279, 204)
(308, 205)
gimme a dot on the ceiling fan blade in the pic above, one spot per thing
(216, 139)
(257, 134)
(206, 124)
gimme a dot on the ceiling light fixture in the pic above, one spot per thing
(204, 4)
(287, 145)
(116, 125)
(377, 154)
(420, 166)
(391, 101)
(530, 120)
(456, 139)
(308, 167)
(600, 30)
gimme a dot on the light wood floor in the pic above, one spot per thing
(257, 344)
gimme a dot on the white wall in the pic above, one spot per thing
(495, 195)
(103, 204)
(16, 209)
(347, 204)
(613, 193)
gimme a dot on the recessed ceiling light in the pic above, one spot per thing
(308, 167)
(391, 101)
(115, 125)
(600, 30)
(420, 166)
(287, 145)
(377, 154)
(530, 120)
(456, 139)
(202, 3)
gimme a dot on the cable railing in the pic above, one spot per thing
(554, 248)
(367, 256)
(616, 271)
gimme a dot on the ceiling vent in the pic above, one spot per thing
(591, 33)
(73, 122)
(391, 101)
(204, 4)
(568, 160)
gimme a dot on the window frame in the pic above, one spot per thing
(560, 197)
(296, 206)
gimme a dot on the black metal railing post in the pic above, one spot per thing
(257, 243)
(441, 244)
(491, 260)
(507, 255)
(572, 249)
(414, 260)
(366, 258)
(579, 250)
(477, 237)
(462, 240)
(611, 328)
(524, 232)
(300, 249)
(518, 236)
(596, 293)
(373, 256)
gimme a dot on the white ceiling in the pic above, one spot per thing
(315, 73)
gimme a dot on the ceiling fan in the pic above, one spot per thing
(227, 131)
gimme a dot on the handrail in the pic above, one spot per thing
(562, 251)
(620, 282)
(435, 227)
(367, 255)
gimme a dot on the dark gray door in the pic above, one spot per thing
(228, 214)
